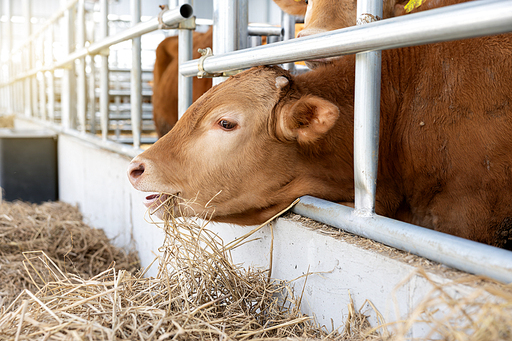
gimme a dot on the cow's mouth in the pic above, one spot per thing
(159, 202)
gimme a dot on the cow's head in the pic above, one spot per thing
(242, 152)
(327, 15)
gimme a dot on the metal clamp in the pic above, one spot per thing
(161, 24)
(205, 53)
(202, 73)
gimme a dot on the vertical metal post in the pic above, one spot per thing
(224, 29)
(81, 98)
(254, 41)
(104, 83)
(242, 24)
(68, 87)
(366, 116)
(51, 78)
(92, 83)
(136, 79)
(185, 46)
(10, 89)
(288, 23)
(42, 84)
(29, 59)
(92, 94)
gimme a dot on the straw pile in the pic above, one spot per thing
(481, 314)
(57, 230)
(199, 294)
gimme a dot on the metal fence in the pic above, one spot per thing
(466, 20)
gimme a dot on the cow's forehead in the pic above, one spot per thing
(255, 87)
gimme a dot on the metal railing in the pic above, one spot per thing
(467, 20)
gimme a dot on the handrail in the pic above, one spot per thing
(46, 24)
(466, 20)
(171, 17)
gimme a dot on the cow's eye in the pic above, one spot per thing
(306, 1)
(227, 125)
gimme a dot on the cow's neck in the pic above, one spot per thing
(329, 162)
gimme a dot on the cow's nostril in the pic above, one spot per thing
(136, 170)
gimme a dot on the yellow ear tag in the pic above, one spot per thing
(412, 4)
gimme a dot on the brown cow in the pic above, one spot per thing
(253, 144)
(165, 73)
(165, 80)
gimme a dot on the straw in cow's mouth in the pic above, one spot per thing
(157, 201)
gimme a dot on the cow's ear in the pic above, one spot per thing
(310, 118)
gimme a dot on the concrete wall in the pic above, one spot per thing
(95, 180)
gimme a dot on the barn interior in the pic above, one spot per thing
(75, 96)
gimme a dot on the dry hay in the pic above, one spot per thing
(56, 229)
(6, 121)
(198, 294)
(456, 311)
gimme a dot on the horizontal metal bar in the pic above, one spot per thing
(459, 253)
(46, 24)
(125, 150)
(254, 29)
(171, 17)
(466, 20)
(264, 30)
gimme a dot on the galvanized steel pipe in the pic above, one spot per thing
(81, 98)
(288, 24)
(51, 79)
(264, 30)
(185, 46)
(170, 18)
(366, 115)
(68, 84)
(136, 78)
(224, 31)
(29, 62)
(466, 20)
(104, 77)
(459, 253)
(242, 21)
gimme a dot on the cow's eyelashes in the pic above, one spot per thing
(227, 125)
